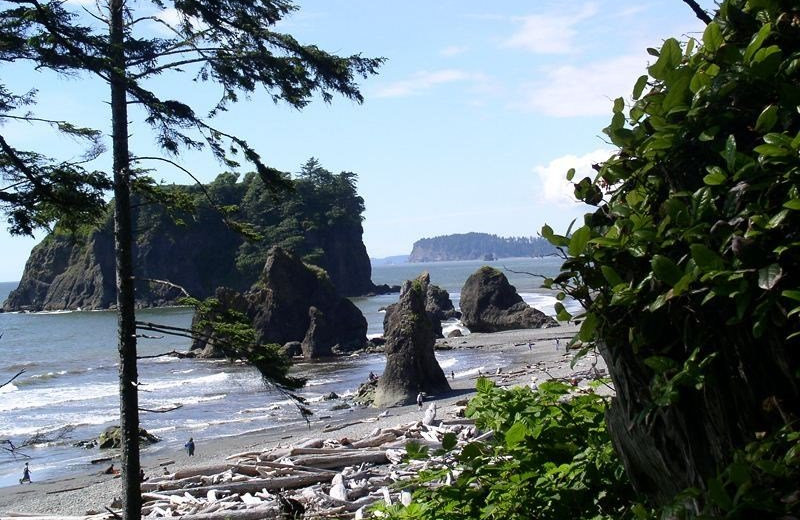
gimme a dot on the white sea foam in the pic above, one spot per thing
(376, 335)
(448, 327)
(38, 397)
(10, 387)
(202, 380)
(320, 382)
(447, 363)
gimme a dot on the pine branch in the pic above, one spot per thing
(698, 11)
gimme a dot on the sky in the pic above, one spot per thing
(470, 125)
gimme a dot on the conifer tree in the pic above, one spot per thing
(231, 44)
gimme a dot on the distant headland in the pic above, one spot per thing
(477, 246)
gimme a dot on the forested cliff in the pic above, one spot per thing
(319, 221)
(477, 246)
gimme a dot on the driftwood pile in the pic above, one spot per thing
(330, 478)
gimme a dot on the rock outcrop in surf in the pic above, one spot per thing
(489, 303)
(411, 366)
(292, 301)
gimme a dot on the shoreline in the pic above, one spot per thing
(78, 493)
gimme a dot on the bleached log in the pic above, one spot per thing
(310, 443)
(338, 491)
(243, 455)
(343, 459)
(280, 465)
(255, 485)
(333, 428)
(484, 436)
(371, 442)
(253, 513)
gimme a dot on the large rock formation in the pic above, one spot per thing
(201, 252)
(437, 304)
(411, 366)
(292, 301)
(477, 246)
(490, 304)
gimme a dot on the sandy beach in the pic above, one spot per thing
(80, 493)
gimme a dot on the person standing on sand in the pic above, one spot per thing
(190, 447)
(452, 375)
(26, 475)
(420, 399)
(530, 346)
(558, 345)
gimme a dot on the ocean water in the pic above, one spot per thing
(70, 375)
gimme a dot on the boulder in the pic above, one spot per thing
(293, 348)
(411, 366)
(455, 333)
(293, 302)
(490, 304)
(111, 437)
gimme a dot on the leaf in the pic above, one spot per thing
(578, 241)
(718, 494)
(610, 275)
(561, 312)
(638, 88)
(769, 276)
(767, 119)
(794, 295)
(619, 105)
(715, 177)
(666, 270)
(547, 232)
(516, 434)
(588, 327)
(771, 150)
(570, 174)
(706, 259)
(712, 37)
(730, 152)
(449, 441)
(660, 364)
(484, 385)
(792, 204)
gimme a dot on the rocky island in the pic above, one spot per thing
(200, 250)
(477, 246)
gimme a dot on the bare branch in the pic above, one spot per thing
(525, 272)
(168, 284)
(13, 378)
(698, 11)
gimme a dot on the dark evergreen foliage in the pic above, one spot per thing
(477, 246)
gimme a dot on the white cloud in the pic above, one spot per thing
(175, 19)
(426, 80)
(553, 186)
(584, 90)
(550, 33)
(453, 50)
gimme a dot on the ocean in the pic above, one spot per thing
(70, 374)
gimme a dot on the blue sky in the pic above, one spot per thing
(471, 124)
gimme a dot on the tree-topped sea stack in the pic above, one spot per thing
(437, 304)
(411, 365)
(293, 301)
(490, 304)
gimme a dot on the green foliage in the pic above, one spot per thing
(232, 331)
(689, 266)
(696, 221)
(551, 458)
(760, 482)
(474, 246)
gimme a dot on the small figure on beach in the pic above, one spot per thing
(26, 475)
(190, 447)
(142, 478)
(420, 400)
(558, 345)
(452, 375)
(372, 376)
(530, 346)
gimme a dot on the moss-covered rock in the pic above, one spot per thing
(112, 437)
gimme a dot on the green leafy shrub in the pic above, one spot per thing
(551, 458)
(689, 268)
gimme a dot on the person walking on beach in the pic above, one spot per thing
(420, 399)
(190, 447)
(452, 375)
(558, 345)
(530, 346)
(26, 475)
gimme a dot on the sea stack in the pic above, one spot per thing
(490, 304)
(437, 304)
(411, 366)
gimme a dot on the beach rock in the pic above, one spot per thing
(365, 395)
(455, 333)
(490, 304)
(112, 437)
(384, 289)
(411, 366)
(293, 348)
(293, 301)
(437, 304)
(331, 396)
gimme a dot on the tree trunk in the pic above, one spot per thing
(126, 328)
(750, 387)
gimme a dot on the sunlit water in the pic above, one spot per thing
(70, 378)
